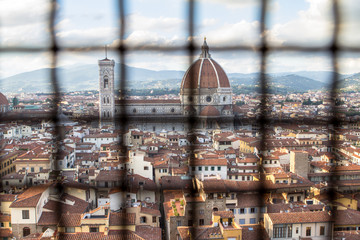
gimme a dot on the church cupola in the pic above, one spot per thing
(205, 50)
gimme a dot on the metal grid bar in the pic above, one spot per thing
(264, 48)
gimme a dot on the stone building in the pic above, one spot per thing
(299, 163)
(205, 94)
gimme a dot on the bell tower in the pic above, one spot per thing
(106, 93)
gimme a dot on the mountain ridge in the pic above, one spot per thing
(85, 77)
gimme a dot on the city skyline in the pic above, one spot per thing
(159, 23)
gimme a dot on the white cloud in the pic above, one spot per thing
(87, 37)
(24, 23)
(137, 22)
(14, 63)
(242, 32)
(233, 3)
(312, 27)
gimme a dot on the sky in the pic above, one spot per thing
(84, 23)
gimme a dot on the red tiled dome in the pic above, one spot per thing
(3, 100)
(210, 111)
(205, 73)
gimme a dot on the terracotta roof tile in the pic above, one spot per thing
(121, 219)
(148, 232)
(224, 214)
(299, 217)
(70, 220)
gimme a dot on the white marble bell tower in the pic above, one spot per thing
(107, 93)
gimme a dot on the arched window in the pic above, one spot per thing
(106, 81)
(172, 110)
(108, 101)
(134, 110)
(104, 100)
(26, 231)
(224, 99)
(104, 114)
(154, 110)
(108, 113)
(215, 209)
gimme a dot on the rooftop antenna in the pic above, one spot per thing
(105, 51)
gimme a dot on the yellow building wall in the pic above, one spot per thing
(348, 203)
(5, 207)
(7, 164)
(128, 227)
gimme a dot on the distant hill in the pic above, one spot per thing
(81, 78)
(351, 83)
(296, 83)
(85, 77)
(321, 76)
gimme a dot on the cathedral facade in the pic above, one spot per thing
(205, 96)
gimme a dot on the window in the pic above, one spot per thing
(322, 230)
(154, 219)
(200, 168)
(146, 168)
(252, 210)
(252, 220)
(94, 229)
(26, 231)
(212, 168)
(142, 219)
(263, 209)
(178, 223)
(297, 230)
(106, 81)
(2, 224)
(201, 222)
(308, 231)
(242, 221)
(190, 222)
(206, 168)
(279, 231)
(70, 229)
(25, 214)
(219, 168)
(242, 211)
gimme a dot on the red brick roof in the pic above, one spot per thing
(70, 220)
(224, 214)
(209, 111)
(299, 217)
(121, 219)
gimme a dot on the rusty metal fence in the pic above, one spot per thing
(264, 48)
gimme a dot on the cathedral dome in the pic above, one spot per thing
(205, 73)
(3, 100)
